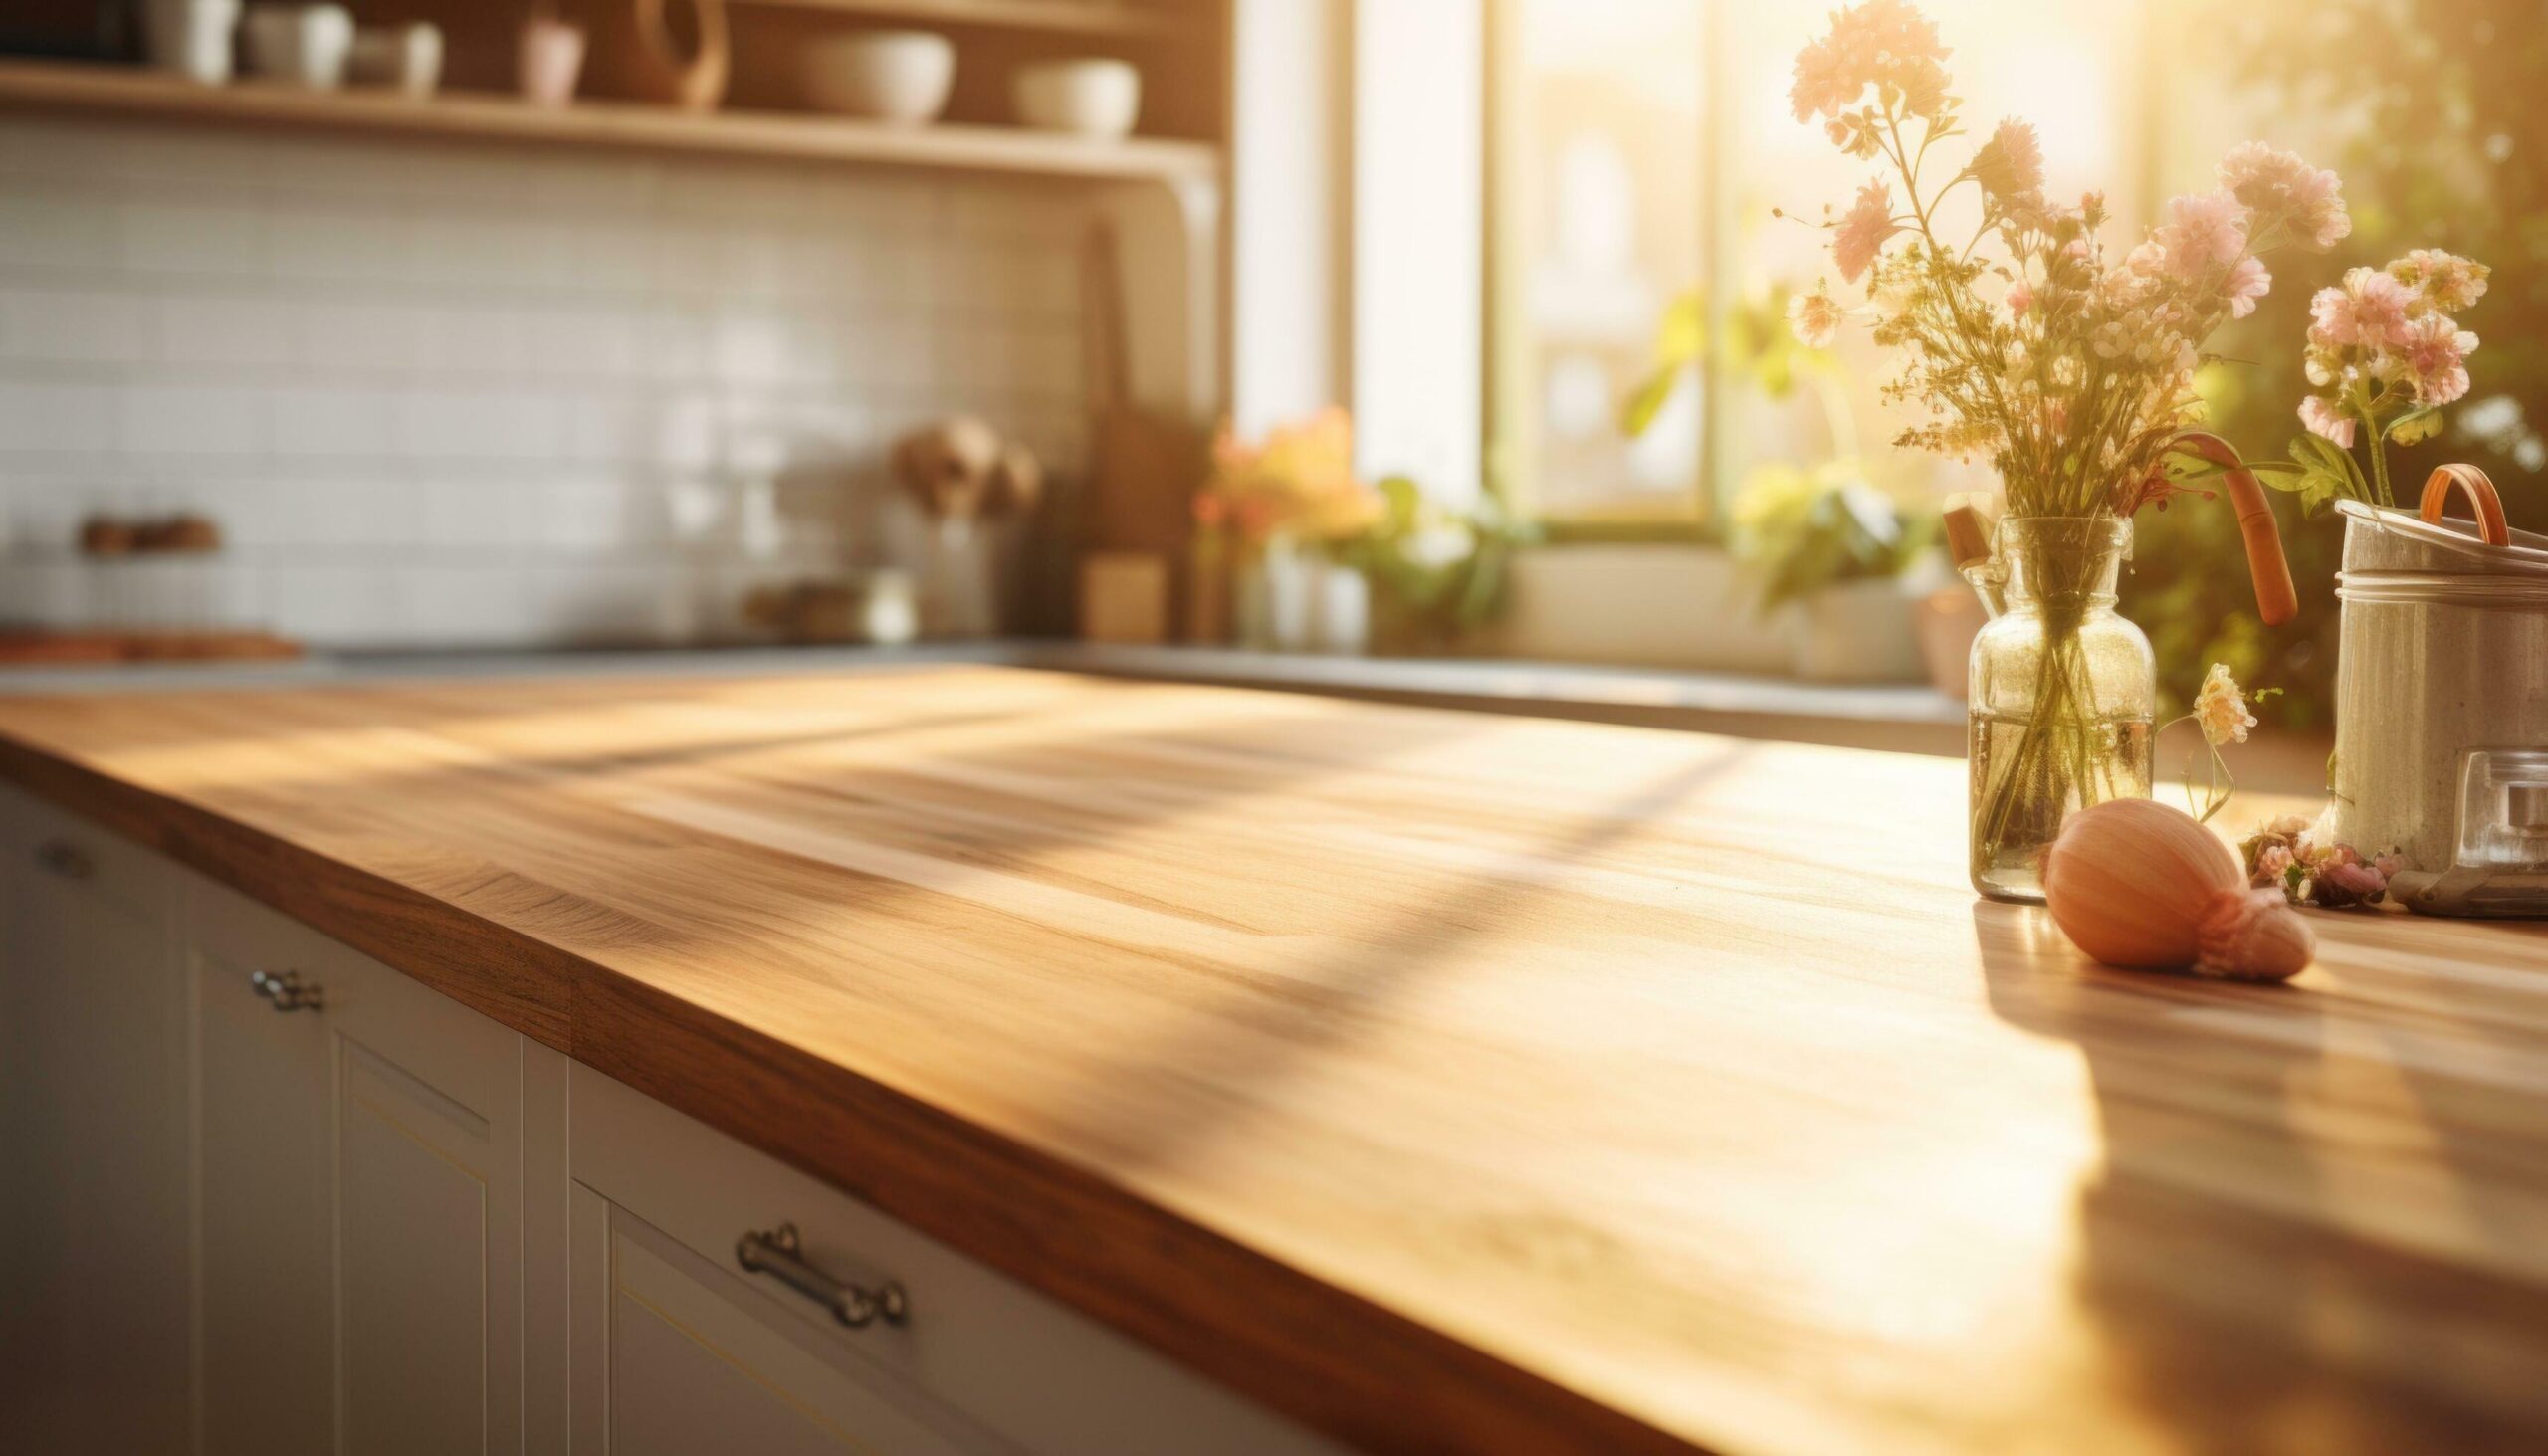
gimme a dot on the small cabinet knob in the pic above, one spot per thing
(62, 857)
(287, 992)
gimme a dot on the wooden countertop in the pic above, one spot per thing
(1449, 1081)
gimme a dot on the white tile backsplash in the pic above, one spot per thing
(193, 419)
(444, 395)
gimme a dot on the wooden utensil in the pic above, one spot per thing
(1147, 465)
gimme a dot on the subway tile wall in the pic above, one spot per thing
(457, 395)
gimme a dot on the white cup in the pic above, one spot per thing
(552, 55)
(406, 57)
(192, 36)
(305, 45)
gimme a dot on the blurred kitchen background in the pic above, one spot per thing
(1382, 333)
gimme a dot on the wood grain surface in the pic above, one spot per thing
(1448, 1081)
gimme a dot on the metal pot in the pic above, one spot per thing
(2445, 657)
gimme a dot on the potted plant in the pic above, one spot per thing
(1440, 573)
(1830, 551)
(1283, 515)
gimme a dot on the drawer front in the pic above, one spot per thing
(980, 1362)
(63, 853)
(678, 1355)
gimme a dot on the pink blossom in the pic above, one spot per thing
(1863, 230)
(2247, 282)
(1822, 88)
(2444, 280)
(2204, 231)
(2011, 163)
(2350, 881)
(1877, 32)
(1879, 41)
(2220, 708)
(2272, 862)
(2368, 309)
(2435, 353)
(1814, 319)
(2323, 419)
(2279, 184)
(2020, 298)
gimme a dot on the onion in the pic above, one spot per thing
(2137, 884)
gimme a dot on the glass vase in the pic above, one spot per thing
(2062, 694)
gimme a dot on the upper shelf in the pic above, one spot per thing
(124, 91)
(1060, 17)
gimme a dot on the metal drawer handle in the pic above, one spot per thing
(777, 1253)
(63, 858)
(287, 992)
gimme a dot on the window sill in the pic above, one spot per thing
(1900, 718)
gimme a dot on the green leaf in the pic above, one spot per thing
(1638, 415)
(2328, 473)
(1403, 498)
(2416, 426)
(1745, 337)
(1681, 335)
(2201, 470)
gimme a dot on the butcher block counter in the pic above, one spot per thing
(1442, 1080)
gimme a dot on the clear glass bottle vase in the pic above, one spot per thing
(2062, 696)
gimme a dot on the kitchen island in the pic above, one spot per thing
(1433, 1079)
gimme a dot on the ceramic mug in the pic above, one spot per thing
(553, 54)
(305, 45)
(406, 57)
(191, 37)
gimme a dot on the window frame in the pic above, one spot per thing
(1508, 416)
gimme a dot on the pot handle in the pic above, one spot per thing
(2484, 502)
(2277, 600)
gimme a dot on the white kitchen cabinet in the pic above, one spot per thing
(363, 1201)
(267, 1195)
(675, 1341)
(93, 1087)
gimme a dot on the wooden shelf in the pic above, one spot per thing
(123, 91)
(1057, 17)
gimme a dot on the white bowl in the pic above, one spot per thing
(898, 76)
(1084, 97)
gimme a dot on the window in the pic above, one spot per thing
(1640, 153)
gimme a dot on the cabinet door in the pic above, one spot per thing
(371, 1140)
(267, 1236)
(95, 1300)
(676, 1356)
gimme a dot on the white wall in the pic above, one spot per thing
(1418, 228)
(447, 394)
(1358, 245)
(1289, 200)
